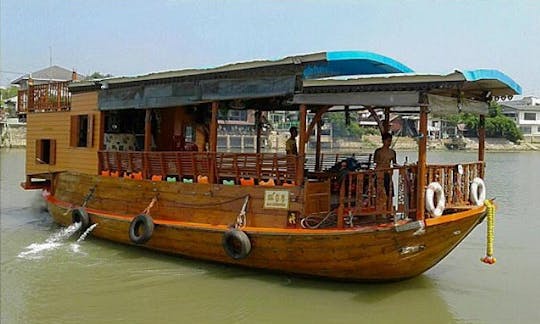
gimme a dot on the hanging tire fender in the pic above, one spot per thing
(435, 191)
(80, 215)
(477, 192)
(141, 229)
(236, 243)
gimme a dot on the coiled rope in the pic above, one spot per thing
(313, 222)
(489, 258)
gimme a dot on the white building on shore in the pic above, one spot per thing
(526, 114)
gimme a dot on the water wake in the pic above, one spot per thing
(52, 242)
(75, 247)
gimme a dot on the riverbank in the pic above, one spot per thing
(408, 143)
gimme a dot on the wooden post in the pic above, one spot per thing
(482, 142)
(214, 127)
(30, 107)
(316, 122)
(318, 166)
(258, 119)
(148, 130)
(302, 146)
(422, 167)
(386, 123)
(213, 142)
(482, 138)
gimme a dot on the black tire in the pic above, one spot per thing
(141, 229)
(236, 244)
(79, 215)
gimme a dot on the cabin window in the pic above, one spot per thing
(46, 151)
(81, 131)
(529, 116)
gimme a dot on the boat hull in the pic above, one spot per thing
(369, 253)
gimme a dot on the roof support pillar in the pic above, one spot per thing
(258, 126)
(213, 142)
(386, 123)
(148, 130)
(302, 147)
(422, 166)
(318, 147)
(482, 142)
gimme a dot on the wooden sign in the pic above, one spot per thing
(276, 199)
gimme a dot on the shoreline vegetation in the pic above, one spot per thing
(492, 144)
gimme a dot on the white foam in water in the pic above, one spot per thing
(75, 247)
(85, 234)
(54, 241)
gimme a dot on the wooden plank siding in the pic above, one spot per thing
(55, 126)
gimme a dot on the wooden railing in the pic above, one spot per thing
(182, 164)
(327, 161)
(376, 192)
(371, 192)
(53, 96)
(455, 180)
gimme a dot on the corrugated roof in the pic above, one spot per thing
(315, 65)
(477, 81)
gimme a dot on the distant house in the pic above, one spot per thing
(526, 114)
(52, 74)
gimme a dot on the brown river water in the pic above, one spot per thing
(47, 277)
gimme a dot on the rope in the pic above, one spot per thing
(150, 205)
(86, 199)
(313, 222)
(241, 218)
(489, 258)
(205, 205)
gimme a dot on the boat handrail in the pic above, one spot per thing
(184, 164)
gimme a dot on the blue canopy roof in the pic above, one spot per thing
(353, 63)
(485, 74)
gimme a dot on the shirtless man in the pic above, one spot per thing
(385, 158)
(290, 145)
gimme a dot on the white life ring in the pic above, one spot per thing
(435, 190)
(477, 192)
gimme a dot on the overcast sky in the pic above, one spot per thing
(139, 37)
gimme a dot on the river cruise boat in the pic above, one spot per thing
(138, 158)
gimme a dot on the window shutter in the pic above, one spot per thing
(52, 152)
(38, 154)
(90, 131)
(74, 135)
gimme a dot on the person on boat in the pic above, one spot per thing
(290, 145)
(385, 158)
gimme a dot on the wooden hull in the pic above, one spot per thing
(361, 254)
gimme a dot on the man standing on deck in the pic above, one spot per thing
(385, 158)
(290, 145)
(384, 155)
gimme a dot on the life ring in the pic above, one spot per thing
(141, 229)
(80, 215)
(435, 191)
(477, 192)
(236, 244)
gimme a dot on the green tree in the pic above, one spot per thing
(340, 127)
(98, 75)
(9, 92)
(497, 124)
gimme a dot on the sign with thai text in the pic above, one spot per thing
(278, 199)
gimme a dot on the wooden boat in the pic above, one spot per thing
(455, 143)
(164, 186)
